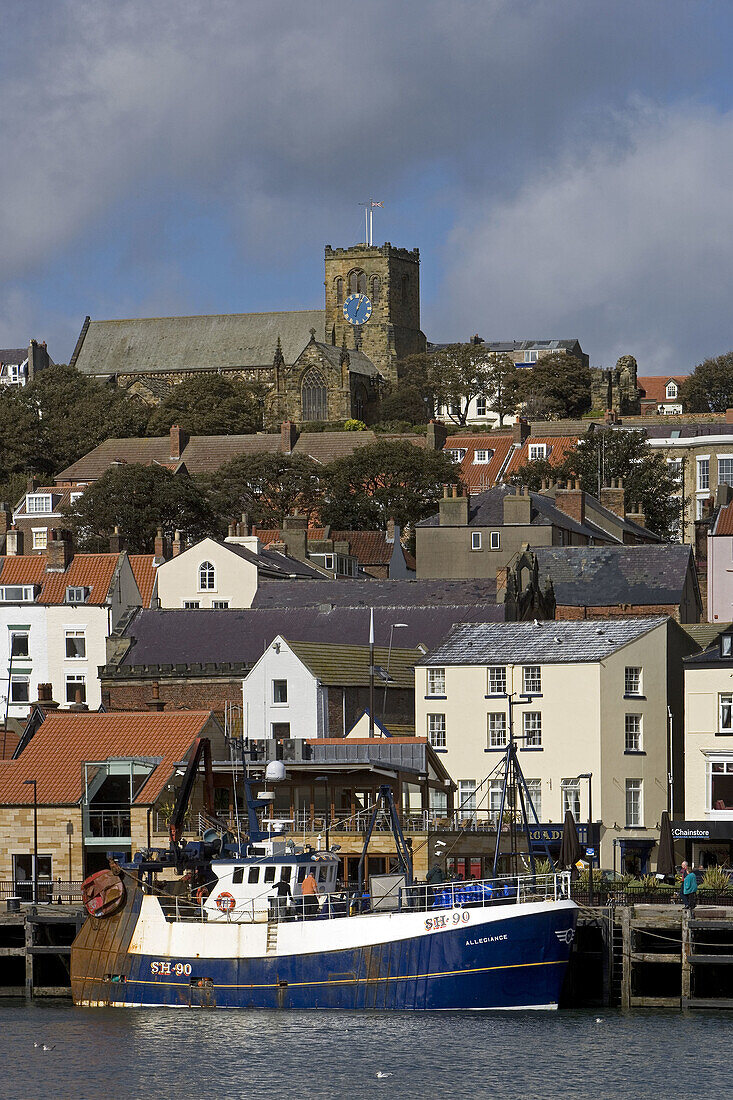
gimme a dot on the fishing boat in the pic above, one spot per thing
(228, 922)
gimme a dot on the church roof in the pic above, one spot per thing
(359, 363)
(210, 342)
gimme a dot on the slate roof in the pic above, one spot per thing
(375, 593)
(677, 429)
(66, 739)
(273, 563)
(487, 510)
(93, 571)
(705, 634)
(348, 665)
(541, 642)
(212, 342)
(405, 754)
(359, 363)
(610, 575)
(13, 356)
(178, 637)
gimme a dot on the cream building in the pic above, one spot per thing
(707, 829)
(587, 697)
(222, 575)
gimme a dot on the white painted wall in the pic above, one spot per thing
(304, 709)
(235, 578)
(94, 621)
(36, 665)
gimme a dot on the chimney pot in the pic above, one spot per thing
(179, 439)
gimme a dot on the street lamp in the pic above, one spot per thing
(589, 777)
(26, 782)
(324, 779)
(394, 626)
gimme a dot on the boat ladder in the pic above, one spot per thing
(272, 927)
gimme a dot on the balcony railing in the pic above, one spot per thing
(419, 821)
(108, 823)
(49, 890)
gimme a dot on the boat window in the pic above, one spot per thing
(254, 874)
(322, 873)
(302, 872)
(285, 874)
(269, 874)
(238, 875)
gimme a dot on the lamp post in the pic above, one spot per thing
(589, 777)
(324, 779)
(35, 837)
(394, 626)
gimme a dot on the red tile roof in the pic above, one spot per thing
(144, 572)
(369, 547)
(60, 498)
(93, 571)
(654, 388)
(478, 476)
(557, 450)
(724, 523)
(56, 753)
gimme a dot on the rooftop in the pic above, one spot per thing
(542, 642)
(93, 571)
(55, 755)
(616, 575)
(375, 593)
(348, 665)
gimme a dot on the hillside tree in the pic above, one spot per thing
(557, 386)
(209, 404)
(709, 388)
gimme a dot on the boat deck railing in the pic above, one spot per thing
(424, 898)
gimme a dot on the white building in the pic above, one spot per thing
(56, 612)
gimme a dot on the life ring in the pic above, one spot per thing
(225, 903)
(201, 895)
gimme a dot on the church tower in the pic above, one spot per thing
(390, 278)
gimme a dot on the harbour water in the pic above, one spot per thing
(172, 1055)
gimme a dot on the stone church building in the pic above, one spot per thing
(314, 365)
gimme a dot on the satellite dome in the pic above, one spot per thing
(275, 771)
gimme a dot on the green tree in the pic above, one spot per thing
(385, 480)
(532, 474)
(458, 373)
(209, 405)
(409, 400)
(73, 414)
(555, 387)
(140, 499)
(21, 443)
(265, 486)
(710, 386)
(502, 386)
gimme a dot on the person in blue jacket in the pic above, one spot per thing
(689, 887)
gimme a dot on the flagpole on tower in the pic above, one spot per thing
(371, 204)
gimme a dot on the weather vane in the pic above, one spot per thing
(368, 208)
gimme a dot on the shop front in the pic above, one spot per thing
(549, 836)
(705, 843)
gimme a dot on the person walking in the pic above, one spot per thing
(689, 887)
(309, 890)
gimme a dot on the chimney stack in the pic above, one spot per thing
(295, 536)
(453, 508)
(177, 546)
(116, 542)
(6, 518)
(59, 551)
(13, 542)
(179, 439)
(571, 501)
(45, 697)
(288, 436)
(522, 430)
(162, 549)
(436, 436)
(612, 497)
(156, 703)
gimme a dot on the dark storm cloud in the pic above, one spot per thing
(265, 109)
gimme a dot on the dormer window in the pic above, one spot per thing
(18, 593)
(37, 503)
(457, 453)
(531, 356)
(537, 451)
(77, 594)
(672, 389)
(480, 457)
(726, 645)
(207, 577)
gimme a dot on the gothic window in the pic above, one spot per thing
(375, 286)
(405, 289)
(314, 396)
(357, 282)
(339, 291)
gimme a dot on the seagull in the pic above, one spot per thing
(44, 1047)
(35, 1044)
(380, 1074)
(599, 1020)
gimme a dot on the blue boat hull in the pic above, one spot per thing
(518, 962)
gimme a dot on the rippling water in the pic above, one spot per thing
(167, 1055)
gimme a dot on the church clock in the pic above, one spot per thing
(357, 309)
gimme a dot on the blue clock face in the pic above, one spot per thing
(357, 309)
